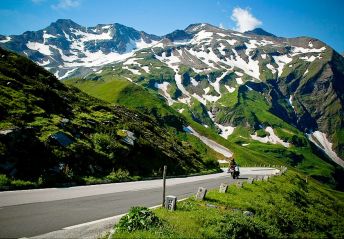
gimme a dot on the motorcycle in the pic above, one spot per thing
(234, 171)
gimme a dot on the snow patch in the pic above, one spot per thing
(85, 36)
(225, 130)
(206, 90)
(320, 140)
(271, 67)
(47, 35)
(68, 73)
(281, 61)
(128, 79)
(300, 50)
(6, 40)
(239, 81)
(132, 61)
(272, 138)
(310, 58)
(178, 43)
(230, 89)
(56, 74)
(194, 82)
(249, 88)
(36, 46)
(67, 36)
(164, 87)
(146, 69)
(201, 36)
(142, 44)
(251, 68)
(211, 98)
(216, 84)
(99, 72)
(306, 72)
(134, 71)
(231, 42)
(290, 101)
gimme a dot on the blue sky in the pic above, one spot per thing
(322, 19)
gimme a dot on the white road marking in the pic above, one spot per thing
(110, 218)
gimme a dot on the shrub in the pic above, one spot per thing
(21, 184)
(4, 181)
(92, 180)
(138, 218)
(118, 176)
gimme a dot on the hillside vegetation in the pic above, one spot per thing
(51, 133)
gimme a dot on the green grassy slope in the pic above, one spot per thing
(284, 207)
(123, 92)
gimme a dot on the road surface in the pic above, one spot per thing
(29, 213)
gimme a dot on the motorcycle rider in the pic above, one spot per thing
(232, 163)
(233, 168)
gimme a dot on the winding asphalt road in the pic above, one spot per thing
(30, 213)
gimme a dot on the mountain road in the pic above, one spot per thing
(29, 213)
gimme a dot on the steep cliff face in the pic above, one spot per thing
(316, 90)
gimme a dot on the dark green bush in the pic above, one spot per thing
(4, 181)
(138, 218)
(118, 176)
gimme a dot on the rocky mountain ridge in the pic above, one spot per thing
(65, 47)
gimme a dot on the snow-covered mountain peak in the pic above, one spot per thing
(67, 49)
(194, 28)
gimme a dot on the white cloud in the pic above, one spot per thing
(244, 20)
(65, 4)
(221, 26)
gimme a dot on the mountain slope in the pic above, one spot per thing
(51, 133)
(204, 71)
(215, 65)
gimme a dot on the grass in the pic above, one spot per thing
(283, 207)
(100, 89)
